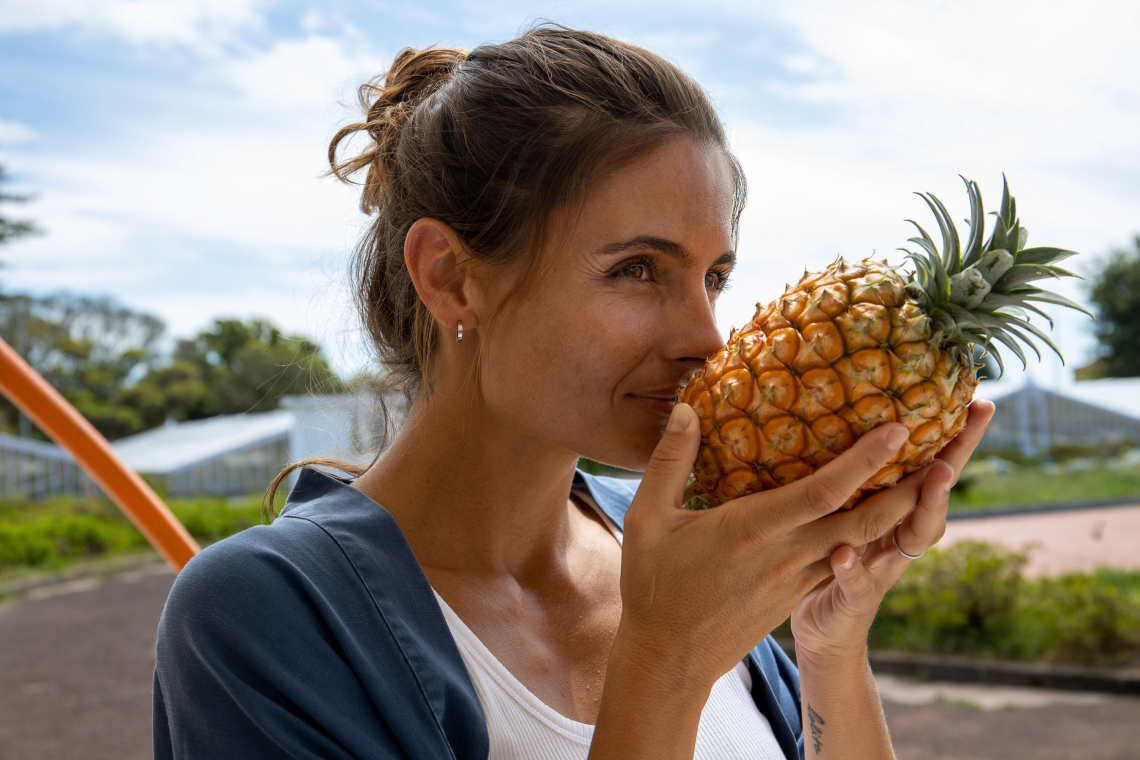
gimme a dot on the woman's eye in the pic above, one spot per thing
(716, 281)
(638, 271)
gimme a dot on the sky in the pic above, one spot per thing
(176, 150)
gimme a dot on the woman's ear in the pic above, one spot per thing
(438, 263)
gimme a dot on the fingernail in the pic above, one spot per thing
(679, 418)
(897, 437)
(850, 562)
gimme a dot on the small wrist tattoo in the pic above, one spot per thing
(816, 722)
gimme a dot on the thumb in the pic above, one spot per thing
(672, 461)
(856, 583)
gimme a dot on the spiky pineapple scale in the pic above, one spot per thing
(843, 351)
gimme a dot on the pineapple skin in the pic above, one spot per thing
(838, 354)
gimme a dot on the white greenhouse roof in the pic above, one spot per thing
(1120, 395)
(176, 446)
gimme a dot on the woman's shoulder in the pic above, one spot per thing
(330, 554)
(314, 632)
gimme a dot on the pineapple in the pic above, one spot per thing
(861, 344)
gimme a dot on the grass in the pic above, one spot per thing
(1035, 485)
(48, 535)
(968, 704)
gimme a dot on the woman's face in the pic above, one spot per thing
(589, 360)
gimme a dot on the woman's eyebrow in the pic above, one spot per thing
(667, 247)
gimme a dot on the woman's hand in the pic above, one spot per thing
(700, 589)
(834, 618)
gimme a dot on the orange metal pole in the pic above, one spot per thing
(67, 427)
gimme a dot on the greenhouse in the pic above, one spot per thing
(240, 454)
(37, 470)
(1032, 420)
(233, 454)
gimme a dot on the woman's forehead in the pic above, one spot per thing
(682, 192)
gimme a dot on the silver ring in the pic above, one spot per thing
(459, 332)
(895, 540)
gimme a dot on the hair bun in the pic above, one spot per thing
(388, 102)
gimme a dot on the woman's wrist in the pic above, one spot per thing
(651, 703)
(848, 657)
(664, 668)
(841, 712)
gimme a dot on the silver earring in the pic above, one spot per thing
(459, 333)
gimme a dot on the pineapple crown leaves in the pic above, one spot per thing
(980, 293)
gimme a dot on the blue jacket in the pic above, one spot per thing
(319, 637)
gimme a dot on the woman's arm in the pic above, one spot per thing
(842, 712)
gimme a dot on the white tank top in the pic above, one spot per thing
(522, 727)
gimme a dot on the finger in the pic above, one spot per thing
(856, 583)
(872, 519)
(926, 525)
(958, 451)
(813, 575)
(829, 487)
(883, 549)
(672, 461)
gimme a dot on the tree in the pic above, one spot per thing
(89, 349)
(104, 359)
(1115, 291)
(12, 228)
(248, 366)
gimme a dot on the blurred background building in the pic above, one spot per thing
(224, 455)
(1034, 421)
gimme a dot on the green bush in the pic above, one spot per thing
(960, 600)
(972, 599)
(48, 534)
(1082, 618)
(210, 520)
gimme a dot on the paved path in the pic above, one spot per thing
(76, 662)
(1063, 541)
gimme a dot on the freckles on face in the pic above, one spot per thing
(600, 330)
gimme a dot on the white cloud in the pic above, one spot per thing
(199, 23)
(14, 132)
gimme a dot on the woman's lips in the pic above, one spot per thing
(663, 404)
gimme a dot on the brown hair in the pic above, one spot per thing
(492, 142)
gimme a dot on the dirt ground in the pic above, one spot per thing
(76, 662)
(1072, 540)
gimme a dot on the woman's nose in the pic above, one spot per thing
(695, 326)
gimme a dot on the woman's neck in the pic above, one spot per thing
(475, 495)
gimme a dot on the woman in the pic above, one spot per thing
(554, 217)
